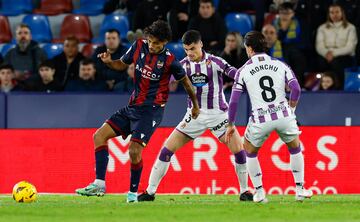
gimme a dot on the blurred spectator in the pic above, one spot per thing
(211, 26)
(87, 80)
(234, 52)
(27, 54)
(289, 33)
(116, 80)
(273, 43)
(45, 81)
(336, 42)
(148, 11)
(287, 25)
(328, 81)
(67, 63)
(7, 81)
(123, 5)
(179, 18)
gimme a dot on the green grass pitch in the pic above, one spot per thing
(217, 208)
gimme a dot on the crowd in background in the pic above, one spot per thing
(316, 38)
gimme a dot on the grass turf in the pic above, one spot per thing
(197, 208)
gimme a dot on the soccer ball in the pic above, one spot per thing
(24, 192)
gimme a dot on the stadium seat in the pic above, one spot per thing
(239, 22)
(5, 30)
(6, 48)
(76, 25)
(88, 49)
(352, 79)
(113, 21)
(54, 7)
(177, 49)
(90, 7)
(39, 26)
(52, 49)
(16, 7)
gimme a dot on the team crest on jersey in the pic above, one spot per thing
(159, 64)
(199, 79)
(208, 62)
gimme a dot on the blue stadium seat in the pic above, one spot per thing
(6, 48)
(52, 49)
(39, 26)
(177, 49)
(90, 7)
(352, 79)
(239, 22)
(16, 7)
(113, 21)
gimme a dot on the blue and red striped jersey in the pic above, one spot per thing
(152, 73)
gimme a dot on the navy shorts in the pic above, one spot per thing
(140, 121)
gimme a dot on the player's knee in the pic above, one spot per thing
(98, 137)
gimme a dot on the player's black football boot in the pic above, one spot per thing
(146, 197)
(246, 196)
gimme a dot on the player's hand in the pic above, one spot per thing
(230, 130)
(195, 111)
(105, 57)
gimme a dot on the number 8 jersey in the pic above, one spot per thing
(265, 79)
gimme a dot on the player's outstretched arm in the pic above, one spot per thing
(195, 111)
(113, 64)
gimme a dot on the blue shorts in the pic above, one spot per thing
(140, 121)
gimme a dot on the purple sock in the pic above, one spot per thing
(240, 157)
(251, 155)
(165, 154)
(296, 150)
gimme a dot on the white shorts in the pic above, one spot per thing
(195, 127)
(286, 128)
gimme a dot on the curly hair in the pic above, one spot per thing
(160, 30)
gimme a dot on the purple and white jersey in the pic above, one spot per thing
(265, 78)
(207, 79)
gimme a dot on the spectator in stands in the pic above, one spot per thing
(289, 33)
(148, 11)
(67, 63)
(273, 43)
(125, 6)
(26, 56)
(234, 53)
(7, 81)
(45, 81)
(328, 81)
(211, 26)
(336, 41)
(87, 80)
(116, 80)
(179, 18)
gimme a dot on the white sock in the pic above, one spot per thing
(100, 183)
(157, 173)
(242, 175)
(297, 167)
(254, 170)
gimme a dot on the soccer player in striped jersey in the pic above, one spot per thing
(265, 79)
(206, 74)
(154, 65)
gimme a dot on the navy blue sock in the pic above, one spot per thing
(135, 171)
(101, 159)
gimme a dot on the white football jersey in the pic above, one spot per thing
(264, 78)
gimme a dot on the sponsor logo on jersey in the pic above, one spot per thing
(199, 79)
(147, 73)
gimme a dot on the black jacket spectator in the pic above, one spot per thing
(64, 71)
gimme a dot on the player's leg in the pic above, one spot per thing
(255, 135)
(289, 133)
(101, 136)
(236, 147)
(186, 130)
(144, 121)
